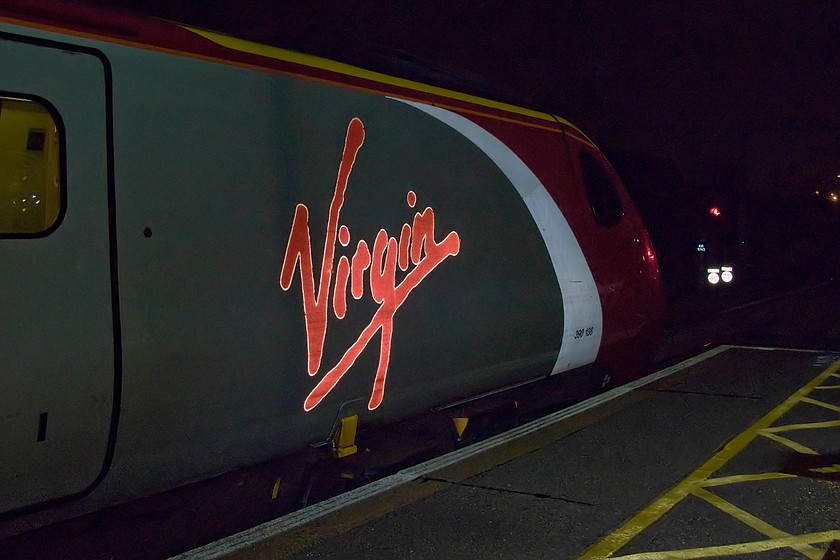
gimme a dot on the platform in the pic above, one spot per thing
(734, 453)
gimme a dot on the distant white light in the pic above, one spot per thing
(701, 248)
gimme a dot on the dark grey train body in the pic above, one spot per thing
(146, 339)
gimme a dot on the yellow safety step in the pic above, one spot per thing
(344, 440)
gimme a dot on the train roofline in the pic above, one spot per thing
(150, 33)
(316, 62)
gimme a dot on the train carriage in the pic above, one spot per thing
(214, 250)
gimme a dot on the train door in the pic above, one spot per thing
(57, 327)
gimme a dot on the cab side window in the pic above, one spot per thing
(603, 196)
(30, 168)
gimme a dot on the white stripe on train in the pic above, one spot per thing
(581, 304)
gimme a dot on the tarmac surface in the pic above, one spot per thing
(736, 454)
(635, 472)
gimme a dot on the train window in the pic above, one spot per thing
(30, 170)
(603, 196)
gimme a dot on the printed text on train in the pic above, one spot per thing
(416, 244)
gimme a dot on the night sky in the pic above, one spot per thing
(744, 89)
(696, 103)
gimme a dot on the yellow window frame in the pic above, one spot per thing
(31, 160)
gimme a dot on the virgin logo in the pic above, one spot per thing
(416, 244)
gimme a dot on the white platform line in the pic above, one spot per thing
(783, 349)
(250, 537)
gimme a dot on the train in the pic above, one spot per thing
(216, 252)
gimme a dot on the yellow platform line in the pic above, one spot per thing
(828, 387)
(734, 479)
(754, 522)
(659, 507)
(734, 549)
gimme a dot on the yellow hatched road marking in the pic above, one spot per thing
(733, 549)
(752, 521)
(642, 520)
(723, 480)
(833, 407)
(804, 426)
(798, 447)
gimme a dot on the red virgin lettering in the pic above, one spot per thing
(405, 239)
(299, 249)
(416, 240)
(361, 261)
(340, 295)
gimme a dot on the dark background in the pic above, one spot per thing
(697, 104)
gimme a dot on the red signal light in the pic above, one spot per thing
(714, 211)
